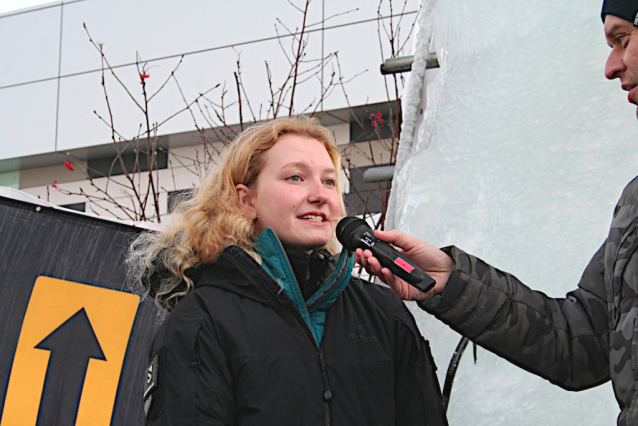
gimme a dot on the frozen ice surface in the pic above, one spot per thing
(520, 160)
(417, 78)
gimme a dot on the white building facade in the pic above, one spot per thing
(54, 108)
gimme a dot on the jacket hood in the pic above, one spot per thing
(237, 271)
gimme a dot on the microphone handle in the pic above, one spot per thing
(400, 266)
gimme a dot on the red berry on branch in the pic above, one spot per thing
(68, 166)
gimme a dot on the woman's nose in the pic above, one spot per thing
(318, 193)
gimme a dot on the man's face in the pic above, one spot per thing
(622, 63)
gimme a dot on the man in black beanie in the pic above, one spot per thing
(577, 342)
(621, 18)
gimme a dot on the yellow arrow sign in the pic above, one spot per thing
(53, 304)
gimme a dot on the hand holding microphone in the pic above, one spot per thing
(413, 272)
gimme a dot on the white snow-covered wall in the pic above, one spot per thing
(520, 159)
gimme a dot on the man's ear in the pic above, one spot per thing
(245, 200)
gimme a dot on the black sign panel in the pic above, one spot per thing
(73, 338)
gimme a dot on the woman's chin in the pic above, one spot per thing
(304, 246)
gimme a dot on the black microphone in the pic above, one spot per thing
(354, 233)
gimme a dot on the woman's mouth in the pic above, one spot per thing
(313, 218)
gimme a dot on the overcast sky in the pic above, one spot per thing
(9, 5)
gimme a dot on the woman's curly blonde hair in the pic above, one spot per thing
(211, 220)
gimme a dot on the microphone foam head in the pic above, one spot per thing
(346, 229)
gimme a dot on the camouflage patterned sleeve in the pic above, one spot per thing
(565, 341)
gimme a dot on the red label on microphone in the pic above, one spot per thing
(404, 265)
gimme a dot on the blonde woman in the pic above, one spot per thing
(267, 326)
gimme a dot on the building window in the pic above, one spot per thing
(365, 197)
(80, 207)
(112, 166)
(370, 127)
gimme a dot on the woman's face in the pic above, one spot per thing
(295, 194)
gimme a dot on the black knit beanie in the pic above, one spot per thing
(624, 9)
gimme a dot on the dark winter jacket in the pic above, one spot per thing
(577, 342)
(244, 348)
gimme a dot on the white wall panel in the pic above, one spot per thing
(160, 28)
(27, 119)
(29, 46)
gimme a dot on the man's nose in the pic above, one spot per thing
(615, 65)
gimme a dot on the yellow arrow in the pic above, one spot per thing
(53, 301)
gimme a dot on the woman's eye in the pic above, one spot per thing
(294, 178)
(330, 182)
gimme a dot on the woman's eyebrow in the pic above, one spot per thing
(294, 164)
(302, 165)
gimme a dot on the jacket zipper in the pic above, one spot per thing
(327, 393)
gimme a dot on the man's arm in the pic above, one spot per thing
(563, 340)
